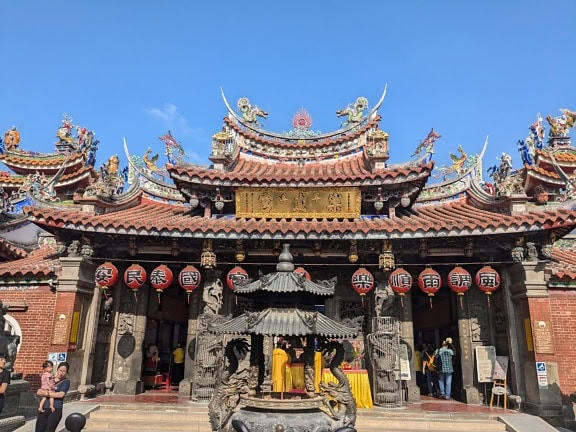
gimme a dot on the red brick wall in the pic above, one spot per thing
(563, 317)
(36, 324)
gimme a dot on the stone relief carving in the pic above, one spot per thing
(212, 296)
(478, 316)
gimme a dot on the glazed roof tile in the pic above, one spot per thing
(563, 264)
(276, 321)
(346, 171)
(38, 263)
(453, 218)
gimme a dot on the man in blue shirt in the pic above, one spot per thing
(445, 374)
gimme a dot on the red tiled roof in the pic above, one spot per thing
(8, 180)
(29, 162)
(563, 264)
(454, 218)
(562, 156)
(39, 262)
(345, 170)
(10, 250)
(542, 171)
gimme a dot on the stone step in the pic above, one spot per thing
(194, 417)
(449, 425)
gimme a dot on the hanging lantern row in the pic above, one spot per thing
(459, 281)
(135, 276)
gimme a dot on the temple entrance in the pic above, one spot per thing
(433, 323)
(166, 331)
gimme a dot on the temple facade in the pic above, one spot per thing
(99, 265)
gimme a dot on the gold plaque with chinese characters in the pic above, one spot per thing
(338, 202)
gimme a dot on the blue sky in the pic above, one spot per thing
(135, 69)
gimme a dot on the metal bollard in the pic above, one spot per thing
(75, 422)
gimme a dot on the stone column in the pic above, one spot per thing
(76, 290)
(129, 350)
(536, 341)
(470, 393)
(407, 337)
(185, 386)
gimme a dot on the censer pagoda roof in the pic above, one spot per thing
(293, 322)
(285, 280)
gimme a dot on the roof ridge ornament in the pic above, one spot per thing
(285, 258)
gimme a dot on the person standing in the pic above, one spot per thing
(429, 371)
(446, 371)
(4, 380)
(177, 364)
(47, 421)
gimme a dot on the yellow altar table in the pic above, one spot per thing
(359, 384)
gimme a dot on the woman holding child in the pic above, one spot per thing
(47, 420)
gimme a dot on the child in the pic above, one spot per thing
(47, 380)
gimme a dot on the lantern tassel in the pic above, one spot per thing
(430, 298)
(188, 296)
(488, 296)
(105, 292)
(402, 301)
(135, 296)
(159, 300)
(462, 302)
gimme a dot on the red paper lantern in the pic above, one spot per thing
(135, 277)
(488, 280)
(303, 271)
(105, 276)
(459, 281)
(400, 281)
(189, 279)
(235, 277)
(362, 281)
(161, 278)
(430, 282)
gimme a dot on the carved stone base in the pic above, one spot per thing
(185, 388)
(471, 395)
(13, 393)
(129, 387)
(413, 393)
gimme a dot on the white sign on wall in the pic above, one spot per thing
(485, 359)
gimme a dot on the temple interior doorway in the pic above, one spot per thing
(435, 319)
(166, 328)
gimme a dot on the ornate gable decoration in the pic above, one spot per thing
(298, 203)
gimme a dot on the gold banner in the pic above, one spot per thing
(338, 202)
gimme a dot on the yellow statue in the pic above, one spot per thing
(279, 362)
(11, 138)
(112, 165)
